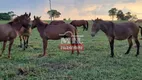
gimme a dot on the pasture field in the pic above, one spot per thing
(94, 63)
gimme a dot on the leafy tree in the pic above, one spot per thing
(112, 13)
(54, 14)
(120, 15)
(128, 16)
(7, 16)
(11, 13)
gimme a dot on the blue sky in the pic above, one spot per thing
(74, 9)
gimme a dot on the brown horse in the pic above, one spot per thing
(56, 22)
(8, 32)
(52, 32)
(120, 31)
(138, 21)
(24, 35)
(79, 23)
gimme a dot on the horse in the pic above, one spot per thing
(9, 31)
(117, 31)
(24, 35)
(79, 23)
(56, 22)
(138, 21)
(52, 32)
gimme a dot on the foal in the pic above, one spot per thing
(24, 35)
(52, 32)
(120, 31)
(8, 32)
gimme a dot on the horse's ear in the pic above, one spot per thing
(34, 17)
(29, 14)
(25, 13)
(39, 17)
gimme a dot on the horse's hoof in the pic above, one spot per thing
(9, 57)
(126, 53)
(78, 54)
(136, 55)
(41, 55)
(112, 56)
(20, 46)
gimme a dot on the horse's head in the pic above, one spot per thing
(96, 26)
(25, 20)
(35, 22)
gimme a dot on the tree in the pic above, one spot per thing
(7, 16)
(120, 15)
(54, 14)
(11, 13)
(133, 18)
(128, 16)
(112, 12)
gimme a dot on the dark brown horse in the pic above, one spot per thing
(52, 32)
(79, 23)
(24, 35)
(120, 31)
(8, 32)
(56, 22)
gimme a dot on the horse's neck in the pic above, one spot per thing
(107, 28)
(16, 26)
(41, 27)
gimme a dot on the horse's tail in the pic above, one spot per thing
(87, 25)
(141, 29)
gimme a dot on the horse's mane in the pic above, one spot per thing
(15, 19)
(43, 23)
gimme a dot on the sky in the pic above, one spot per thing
(74, 9)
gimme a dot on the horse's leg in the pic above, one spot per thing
(20, 41)
(138, 46)
(24, 42)
(9, 49)
(112, 47)
(84, 27)
(130, 45)
(76, 42)
(3, 48)
(45, 42)
(72, 44)
(27, 40)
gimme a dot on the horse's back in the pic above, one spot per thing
(125, 30)
(53, 31)
(57, 22)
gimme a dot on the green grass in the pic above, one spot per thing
(94, 63)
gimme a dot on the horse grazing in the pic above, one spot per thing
(79, 23)
(118, 31)
(9, 31)
(56, 22)
(24, 35)
(52, 32)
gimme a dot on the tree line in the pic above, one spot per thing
(120, 15)
(7, 15)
